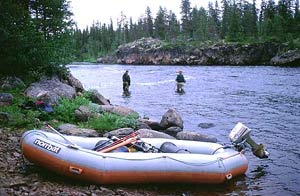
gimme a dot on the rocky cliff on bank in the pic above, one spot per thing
(149, 51)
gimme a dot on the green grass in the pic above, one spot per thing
(64, 111)
(108, 121)
(24, 114)
(21, 115)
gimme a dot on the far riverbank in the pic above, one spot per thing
(149, 51)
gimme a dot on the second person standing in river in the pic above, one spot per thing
(126, 82)
(180, 82)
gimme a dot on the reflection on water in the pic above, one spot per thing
(266, 99)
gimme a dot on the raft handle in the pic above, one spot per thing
(228, 176)
(75, 170)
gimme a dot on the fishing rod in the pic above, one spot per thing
(71, 144)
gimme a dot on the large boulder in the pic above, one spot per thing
(54, 89)
(171, 118)
(6, 99)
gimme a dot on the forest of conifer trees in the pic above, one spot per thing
(37, 37)
(231, 20)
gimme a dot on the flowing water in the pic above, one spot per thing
(264, 98)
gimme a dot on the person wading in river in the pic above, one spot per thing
(180, 82)
(126, 83)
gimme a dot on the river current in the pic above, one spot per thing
(264, 98)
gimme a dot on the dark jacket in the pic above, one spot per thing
(126, 78)
(180, 78)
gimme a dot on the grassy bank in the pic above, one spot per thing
(23, 113)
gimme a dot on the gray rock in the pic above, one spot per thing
(97, 98)
(11, 82)
(152, 124)
(119, 110)
(142, 125)
(54, 87)
(173, 130)
(206, 125)
(6, 99)
(83, 113)
(194, 136)
(291, 57)
(74, 82)
(119, 132)
(70, 129)
(171, 118)
(148, 133)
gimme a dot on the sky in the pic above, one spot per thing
(88, 11)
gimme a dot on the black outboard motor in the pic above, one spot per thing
(169, 147)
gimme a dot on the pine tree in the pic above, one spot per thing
(160, 24)
(149, 22)
(213, 22)
(225, 19)
(186, 18)
(296, 28)
(35, 38)
(201, 24)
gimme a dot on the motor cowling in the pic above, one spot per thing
(240, 138)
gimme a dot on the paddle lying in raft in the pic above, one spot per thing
(132, 141)
(119, 143)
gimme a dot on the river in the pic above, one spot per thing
(264, 98)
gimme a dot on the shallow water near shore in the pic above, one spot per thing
(264, 98)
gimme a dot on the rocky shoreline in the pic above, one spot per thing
(149, 51)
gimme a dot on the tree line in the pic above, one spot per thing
(37, 37)
(229, 20)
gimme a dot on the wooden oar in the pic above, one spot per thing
(131, 135)
(122, 143)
